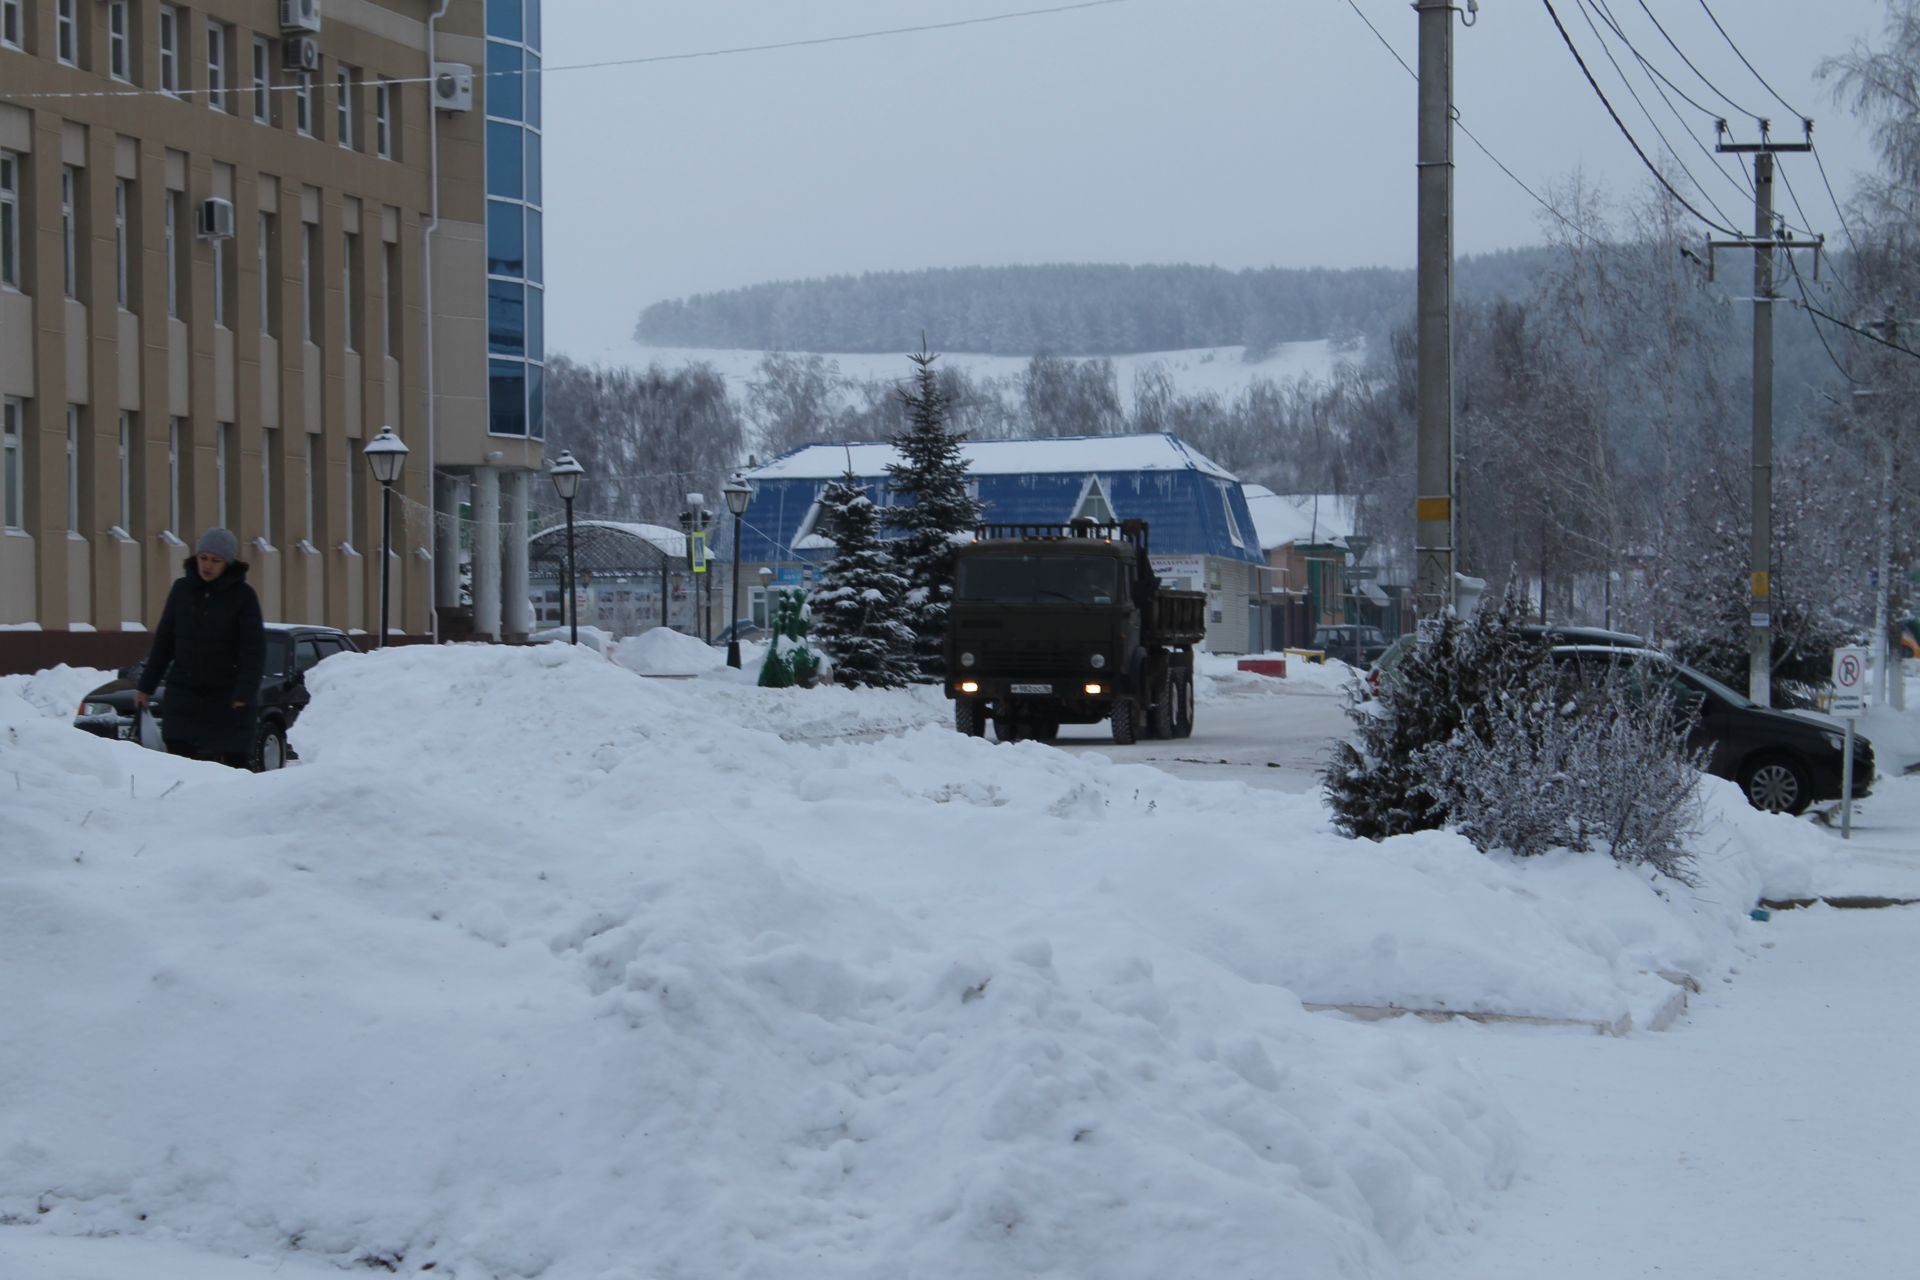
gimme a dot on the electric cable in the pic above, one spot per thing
(1652, 168)
(1868, 334)
(1675, 46)
(1795, 197)
(1748, 65)
(1807, 299)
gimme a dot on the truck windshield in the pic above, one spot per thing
(1034, 578)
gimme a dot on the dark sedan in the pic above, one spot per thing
(292, 651)
(1359, 645)
(1782, 761)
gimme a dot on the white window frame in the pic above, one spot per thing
(73, 468)
(11, 18)
(126, 472)
(303, 104)
(173, 475)
(119, 42)
(262, 80)
(383, 119)
(343, 105)
(69, 251)
(9, 220)
(217, 85)
(169, 50)
(122, 203)
(13, 465)
(307, 234)
(1094, 488)
(1233, 525)
(66, 33)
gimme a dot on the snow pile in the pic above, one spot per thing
(662, 651)
(533, 968)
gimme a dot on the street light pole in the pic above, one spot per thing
(386, 455)
(567, 475)
(738, 493)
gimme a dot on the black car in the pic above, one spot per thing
(1359, 645)
(292, 651)
(1782, 761)
(744, 629)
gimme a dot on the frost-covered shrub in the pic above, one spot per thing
(1475, 731)
(789, 660)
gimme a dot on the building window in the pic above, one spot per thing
(170, 50)
(266, 483)
(69, 255)
(351, 474)
(217, 67)
(73, 468)
(121, 200)
(1233, 526)
(170, 236)
(10, 23)
(175, 428)
(309, 296)
(9, 220)
(66, 33)
(303, 104)
(308, 486)
(390, 291)
(262, 80)
(222, 431)
(126, 473)
(221, 315)
(269, 321)
(349, 297)
(343, 105)
(119, 57)
(13, 476)
(383, 120)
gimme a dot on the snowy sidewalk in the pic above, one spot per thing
(1768, 1136)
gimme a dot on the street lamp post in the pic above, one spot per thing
(738, 493)
(567, 475)
(386, 454)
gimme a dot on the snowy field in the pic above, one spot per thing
(1222, 370)
(536, 966)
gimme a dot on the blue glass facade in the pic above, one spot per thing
(516, 284)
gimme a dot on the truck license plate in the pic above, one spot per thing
(1033, 688)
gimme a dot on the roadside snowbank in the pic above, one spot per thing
(533, 968)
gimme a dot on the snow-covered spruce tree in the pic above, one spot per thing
(859, 614)
(1375, 782)
(789, 661)
(937, 514)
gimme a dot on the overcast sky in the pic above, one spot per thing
(1242, 133)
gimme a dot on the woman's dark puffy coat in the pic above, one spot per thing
(210, 650)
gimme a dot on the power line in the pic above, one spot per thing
(1624, 131)
(1795, 197)
(1743, 60)
(1819, 333)
(1853, 328)
(1594, 27)
(1572, 226)
(636, 61)
(1852, 244)
(1675, 46)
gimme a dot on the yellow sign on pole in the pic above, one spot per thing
(697, 552)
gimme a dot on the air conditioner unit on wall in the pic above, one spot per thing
(299, 15)
(216, 219)
(300, 53)
(452, 86)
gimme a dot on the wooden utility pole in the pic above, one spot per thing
(1434, 515)
(1766, 240)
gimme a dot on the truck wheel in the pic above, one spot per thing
(967, 718)
(1043, 730)
(1125, 728)
(1183, 703)
(1160, 717)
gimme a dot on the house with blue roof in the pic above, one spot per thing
(1202, 534)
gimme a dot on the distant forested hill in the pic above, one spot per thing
(1068, 310)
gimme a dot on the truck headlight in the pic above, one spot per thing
(1097, 661)
(966, 659)
(1837, 741)
(97, 709)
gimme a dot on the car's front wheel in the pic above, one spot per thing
(1777, 784)
(269, 748)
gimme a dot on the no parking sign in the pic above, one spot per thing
(1849, 682)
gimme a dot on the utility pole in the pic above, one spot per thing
(1765, 241)
(1434, 515)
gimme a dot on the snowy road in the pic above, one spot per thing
(1767, 1136)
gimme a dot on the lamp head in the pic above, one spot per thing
(566, 474)
(386, 454)
(738, 494)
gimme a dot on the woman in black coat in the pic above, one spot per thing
(210, 649)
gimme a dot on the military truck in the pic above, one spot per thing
(1068, 624)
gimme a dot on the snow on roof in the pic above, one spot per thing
(670, 541)
(1282, 518)
(1159, 451)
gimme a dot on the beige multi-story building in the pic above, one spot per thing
(238, 237)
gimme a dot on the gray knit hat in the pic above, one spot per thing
(221, 542)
